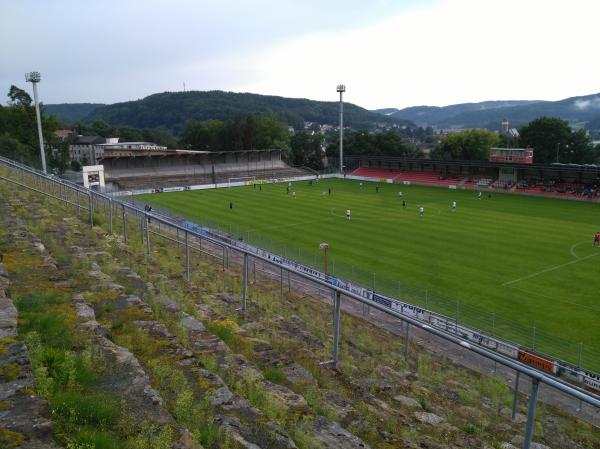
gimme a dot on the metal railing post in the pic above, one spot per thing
(579, 366)
(336, 327)
(124, 223)
(516, 397)
(457, 316)
(110, 216)
(141, 221)
(245, 282)
(91, 201)
(147, 220)
(78, 203)
(531, 414)
(493, 335)
(281, 282)
(187, 256)
(406, 341)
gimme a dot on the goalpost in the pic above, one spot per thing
(246, 180)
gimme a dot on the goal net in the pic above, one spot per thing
(243, 180)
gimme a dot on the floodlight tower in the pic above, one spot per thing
(34, 78)
(341, 89)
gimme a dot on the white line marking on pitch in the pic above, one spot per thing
(572, 249)
(573, 303)
(549, 269)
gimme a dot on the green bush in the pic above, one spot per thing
(34, 303)
(153, 437)
(36, 316)
(225, 329)
(98, 219)
(208, 434)
(274, 374)
(85, 409)
(88, 439)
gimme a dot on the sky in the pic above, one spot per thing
(388, 53)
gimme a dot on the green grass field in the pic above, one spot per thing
(527, 260)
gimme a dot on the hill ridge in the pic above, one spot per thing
(581, 109)
(173, 110)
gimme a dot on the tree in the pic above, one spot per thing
(553, 141)
(546, 135)
(305, 150)
(270, 133)
(255, 132)
(18, 97)
(18, 129)
(386, 143)
(472, 144)
(160, 136)
(101, 128)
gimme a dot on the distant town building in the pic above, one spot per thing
(64, 134)
(506, 130)
(82, 149)
(90, 149)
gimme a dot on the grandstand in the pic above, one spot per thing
(558, 180)
(181, 168)
(409, 176)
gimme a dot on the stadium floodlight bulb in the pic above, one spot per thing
(341, 88)
(33, 77)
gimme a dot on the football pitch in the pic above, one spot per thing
(521, 267)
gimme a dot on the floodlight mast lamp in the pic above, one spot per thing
(34, 78)
(341, 89)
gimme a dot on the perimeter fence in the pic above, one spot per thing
(155, 232)
(578, 354)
